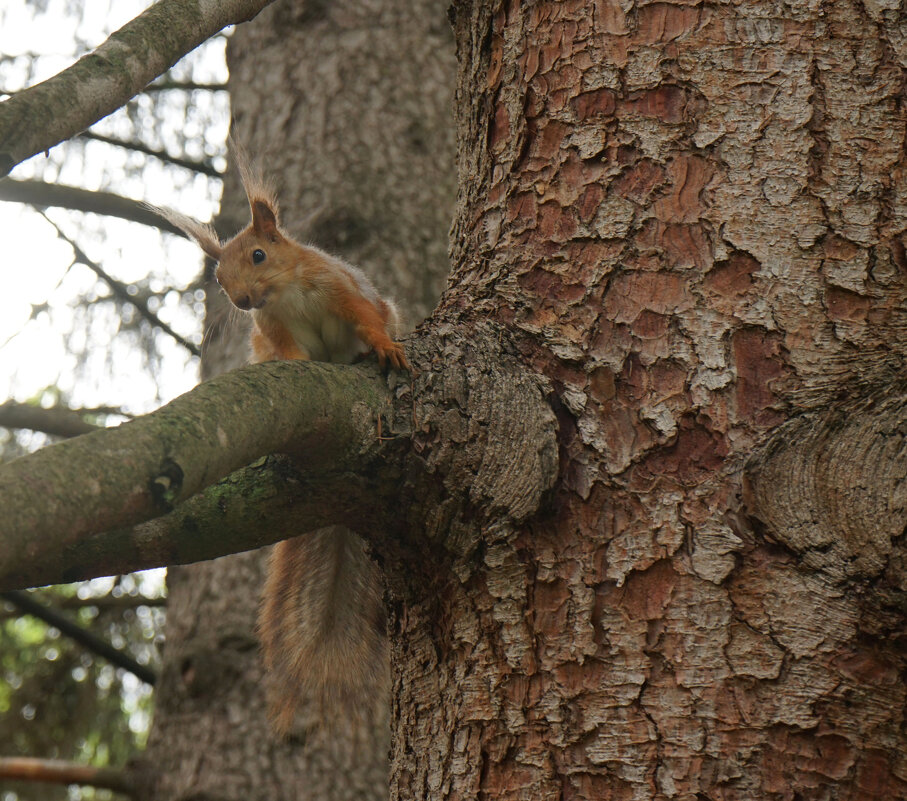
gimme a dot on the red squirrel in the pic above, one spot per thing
(322, 616)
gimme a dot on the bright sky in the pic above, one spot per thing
(36, 263)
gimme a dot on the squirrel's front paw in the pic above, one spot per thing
(393, 353)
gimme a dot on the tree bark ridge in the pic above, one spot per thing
(832, 486)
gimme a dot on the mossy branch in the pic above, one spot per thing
(57, 501)
(252, 507)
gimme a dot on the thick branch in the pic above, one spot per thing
(251, 508)
(56, 771)
(43, 195)
(99, 83)
(58, 420)
(117, 477)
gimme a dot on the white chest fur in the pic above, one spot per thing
(321, 334)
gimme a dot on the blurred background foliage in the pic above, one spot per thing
(58, 700)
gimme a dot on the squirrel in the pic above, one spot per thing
(322, 617)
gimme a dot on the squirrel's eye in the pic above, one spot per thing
(258, 256)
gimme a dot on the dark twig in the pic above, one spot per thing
(163, 155)
(185, 86)
(111, 602)
(23, 602)
(42, 195)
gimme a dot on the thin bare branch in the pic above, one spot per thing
(160, 86)
(24, 602)
(109, 601)
(185, 86)
(122, 293)
(42, 195)
(59, 421)
(197, 166)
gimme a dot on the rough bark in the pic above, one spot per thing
(684, 223)
(691, 218)
(831, 486)
(347, 107)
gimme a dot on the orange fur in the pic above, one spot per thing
(294, 291)
(270, 340)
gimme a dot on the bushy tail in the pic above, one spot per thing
(323, 627)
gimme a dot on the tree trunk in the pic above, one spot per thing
(689, 220)
(360, 145)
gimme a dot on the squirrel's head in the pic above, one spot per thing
(256, 263)
(253, 266)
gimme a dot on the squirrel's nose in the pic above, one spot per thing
(243, 302)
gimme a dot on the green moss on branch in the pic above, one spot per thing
(57, 499)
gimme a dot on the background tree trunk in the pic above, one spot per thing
(347, 108)
(690, 217)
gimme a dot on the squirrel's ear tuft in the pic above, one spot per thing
(204, 235)
(261, 195)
